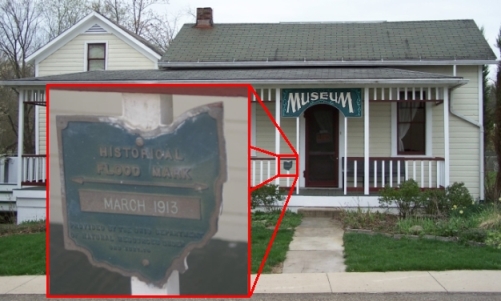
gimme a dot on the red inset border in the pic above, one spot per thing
(243, 90)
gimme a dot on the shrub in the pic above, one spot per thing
(267, 196)
(458, 194)
(494, 239)
(475, 234)
(454, 226)
(455, 200)
(407, 198)
(405, 226)
(490, 218)
(361, 219)
(434, 202)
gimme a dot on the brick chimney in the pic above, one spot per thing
(204, 17)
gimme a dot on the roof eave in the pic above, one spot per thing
(59, 38)
(264, 64)
(449, 82)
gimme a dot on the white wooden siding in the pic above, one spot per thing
(379, 130)
(438, 130)
(265, 130)
(465, 137)
(356, 137)
(42, 130)
(70, 58)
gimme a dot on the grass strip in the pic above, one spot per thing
(261, 234)
(378, 253)
(22, 254)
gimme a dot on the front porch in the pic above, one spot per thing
(24, 177)
(365, 156)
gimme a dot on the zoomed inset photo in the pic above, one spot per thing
(148, 191)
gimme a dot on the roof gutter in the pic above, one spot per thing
(265, 64)
(451, 83)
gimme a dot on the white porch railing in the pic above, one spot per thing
(427, 172)
(34, 170)
(34, 97)
(264, 168)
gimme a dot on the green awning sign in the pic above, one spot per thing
(296, 101)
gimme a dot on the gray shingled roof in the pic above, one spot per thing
(388, 41)
(240, 75)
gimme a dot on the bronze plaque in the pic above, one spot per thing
(138, 202)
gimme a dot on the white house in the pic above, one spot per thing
(364, 104)
(94, 43)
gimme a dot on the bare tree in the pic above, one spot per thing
(59, 15)
(18, 33)
(19, 24)
(497, 120)
(162, 30)
(135, 15)
(142, 17)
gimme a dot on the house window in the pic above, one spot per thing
(411, 128)
(96, 57)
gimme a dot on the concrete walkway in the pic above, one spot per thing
(317, 247)
(22, 285)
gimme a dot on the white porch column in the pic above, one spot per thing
(254, 103)
(298, 151)
(446, 137)
(345, 163)
(20, 138)
(37, 130)
(277, 133)
(366, 141)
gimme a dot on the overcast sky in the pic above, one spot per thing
(486, 13)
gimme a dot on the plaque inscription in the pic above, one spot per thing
(140, 204)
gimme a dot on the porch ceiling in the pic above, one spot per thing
(340, 75)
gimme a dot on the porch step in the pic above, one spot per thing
(320, 212)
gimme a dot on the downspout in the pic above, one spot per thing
(478, 124)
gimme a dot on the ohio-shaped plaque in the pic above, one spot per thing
(138, 202)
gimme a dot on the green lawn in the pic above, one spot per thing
(261, 235)
(367, 253)
(22, 254)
